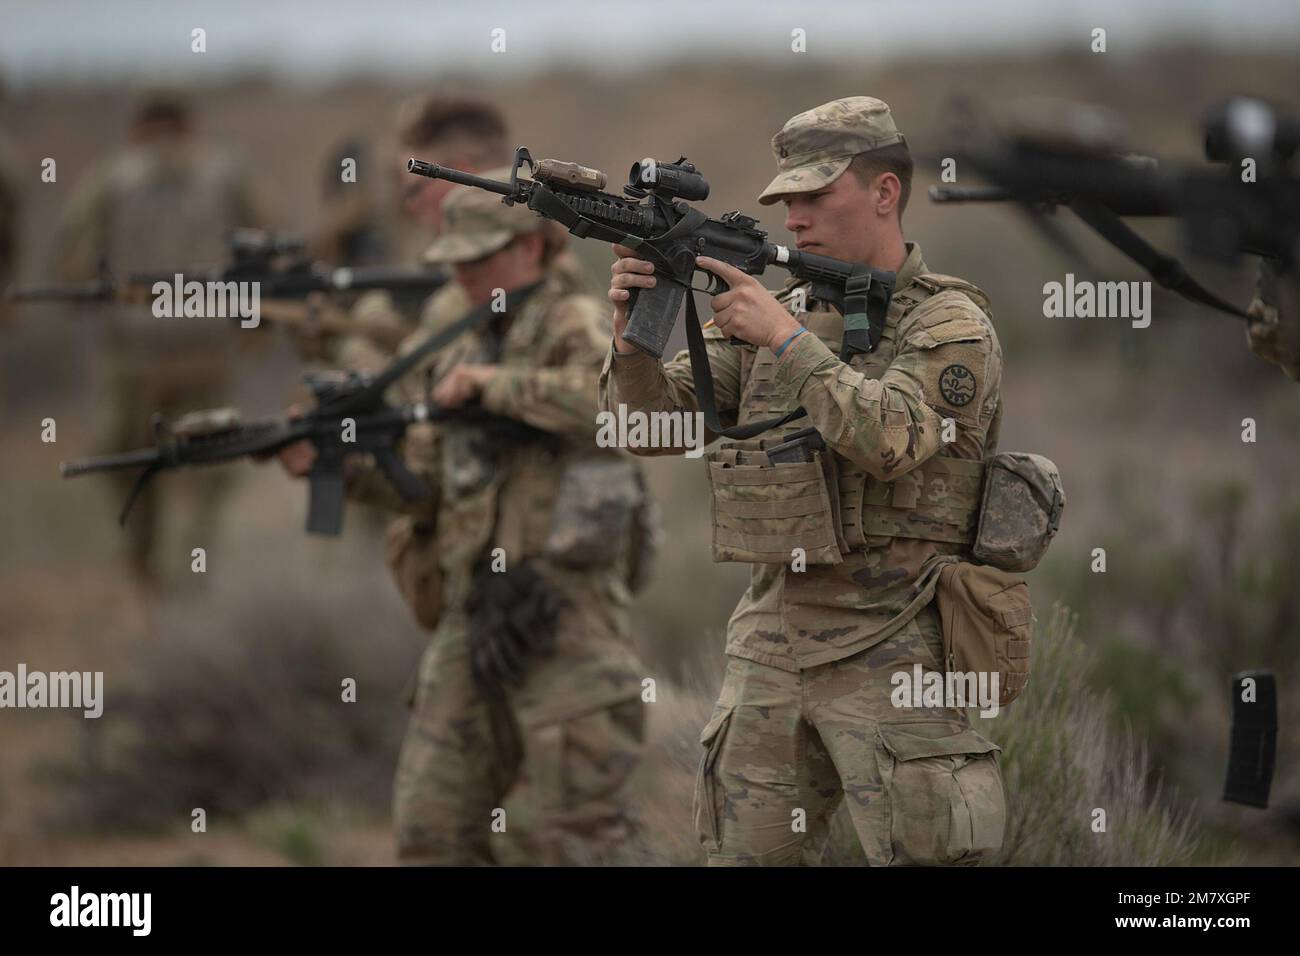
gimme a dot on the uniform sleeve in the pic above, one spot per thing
(645, 384)
(559, 394)
(947, 362)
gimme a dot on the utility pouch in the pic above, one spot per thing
(1019, 512)
(988, 625)
(592, 518)
(763, 509)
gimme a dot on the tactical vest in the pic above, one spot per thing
(937, 501)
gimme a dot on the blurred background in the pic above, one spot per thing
(222, 689)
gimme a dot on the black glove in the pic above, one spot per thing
(512, 621)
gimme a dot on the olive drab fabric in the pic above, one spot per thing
(1274, 329)
(988, 624)
(573, 728)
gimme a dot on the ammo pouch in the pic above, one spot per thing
(413, 560)
(988, 623)
(595, 517)
(771, 496)
(1019, 512)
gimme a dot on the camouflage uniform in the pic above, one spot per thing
(152, 209)
(804, 716)
(1274, 332)
(573, 727)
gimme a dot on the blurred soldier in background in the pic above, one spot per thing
(522, 563)
(464, 133)
(163, 203)
(352, 231)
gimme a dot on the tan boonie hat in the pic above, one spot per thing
(476, 223)
(815, 147)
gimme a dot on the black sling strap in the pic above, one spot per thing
(1167, 271)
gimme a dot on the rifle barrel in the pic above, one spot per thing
(434, 171)
(970, 194)
(127, 459)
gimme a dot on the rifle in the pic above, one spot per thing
(274, 262)
(1222, 214)
(654, 218)
(350, 415)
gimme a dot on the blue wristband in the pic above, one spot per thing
(784, 345)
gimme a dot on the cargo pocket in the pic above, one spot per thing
(708, 795)
(943, 787)
(761, 512)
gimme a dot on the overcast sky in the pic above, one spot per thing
(307, 40)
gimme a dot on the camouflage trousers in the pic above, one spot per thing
(783, 750)
(464, 752)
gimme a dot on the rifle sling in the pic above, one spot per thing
(433, 343)
(868, 334)
(1167, 271)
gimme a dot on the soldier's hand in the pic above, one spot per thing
(628, 272)
(462, 383)
(746, 310)
(298, 458)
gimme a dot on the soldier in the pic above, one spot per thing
(521, 564)
(464, 134)
(1274, 329)
(160, 204)
(804, 719)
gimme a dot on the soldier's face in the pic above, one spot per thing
(515, 266)
(843, 220)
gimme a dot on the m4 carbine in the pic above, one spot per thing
(274, 262)
(350, 415)
(654, 218)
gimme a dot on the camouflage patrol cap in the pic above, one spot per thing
(476, 223)
(814, 148)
